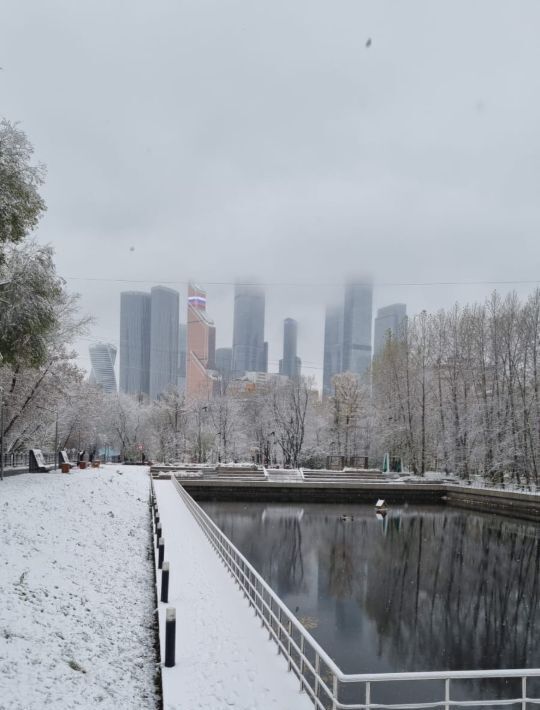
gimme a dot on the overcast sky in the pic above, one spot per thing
(264, 140)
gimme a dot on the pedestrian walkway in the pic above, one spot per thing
(224, 660)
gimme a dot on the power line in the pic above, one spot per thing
(403, 284)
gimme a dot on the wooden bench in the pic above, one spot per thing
(36, 462)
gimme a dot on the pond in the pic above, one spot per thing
(423, 588)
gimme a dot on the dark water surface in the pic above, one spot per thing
(425, 588)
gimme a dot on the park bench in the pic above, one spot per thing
(36, 462)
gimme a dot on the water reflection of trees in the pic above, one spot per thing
(444, 588)
(453, 590)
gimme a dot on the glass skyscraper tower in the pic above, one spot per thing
(135, 343)
(250, 352)
(164, 317)
(103, 357)
(357, 326)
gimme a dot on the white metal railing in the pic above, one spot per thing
(318, 674)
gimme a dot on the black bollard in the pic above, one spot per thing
(170, 636)
(165, 582)
(158, 533)
(161, 552)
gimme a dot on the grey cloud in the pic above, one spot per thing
(222, 138)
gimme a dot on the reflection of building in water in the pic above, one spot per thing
(277, 512)
(425, 589)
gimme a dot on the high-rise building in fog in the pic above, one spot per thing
(357, 327)
(103, 357)
(135, 343)
(389, 322)
(202, 378)
(290, 364)
(224, 362)
(250, 353)
(164, 316)
(182, 356)
(333, 340)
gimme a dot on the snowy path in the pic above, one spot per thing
(224, 660)
(76, 591)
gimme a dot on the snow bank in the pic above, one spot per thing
(76, 591)
(224, 660)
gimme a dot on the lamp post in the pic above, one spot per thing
(56, 454)
(1, 434)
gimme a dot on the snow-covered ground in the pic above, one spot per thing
(224, 660)
(76, 599)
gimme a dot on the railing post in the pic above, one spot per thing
(158, 534)
(447, 694)
(317, 675)
(334, 692)
(289, 632)
(368, 695)
(279, 631)
(524, 692)
(270, 618)
(161, 552)
(302, 662)
(170, 637)
(165, 583)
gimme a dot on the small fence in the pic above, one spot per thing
(331, 689)
(21, 459)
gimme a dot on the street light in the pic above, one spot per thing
(1, 434)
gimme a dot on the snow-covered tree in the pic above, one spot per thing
(20, 202)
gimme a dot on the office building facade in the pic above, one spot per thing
(290, 365)
(389, 323)
(224, 365)
(333, 338)
(202, 378)
(249, 352)
(182, 356)
(357, 327)
(102, 358)
(164, 317)
(135, 343)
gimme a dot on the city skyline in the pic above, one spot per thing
(426, 181)
(352, 337)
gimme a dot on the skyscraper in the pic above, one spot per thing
(202, 379)
(291, 364)
(249, 350)
(390, 321)
(182, 356)
(135, 343)
(224, 362)
(164, 315)
(103, 357)
(357, 326)
(333, 339)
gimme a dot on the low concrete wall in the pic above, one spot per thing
(508, 503)
(521, 505)
(15, 471)
(311, 492)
